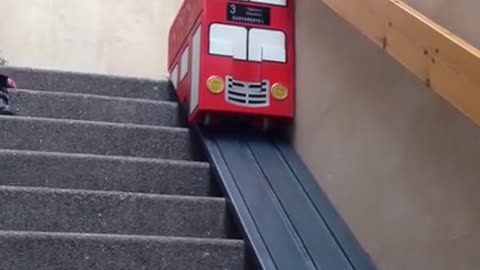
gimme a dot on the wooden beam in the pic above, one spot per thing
(444, 61)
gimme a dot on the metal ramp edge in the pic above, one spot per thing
(287, 220)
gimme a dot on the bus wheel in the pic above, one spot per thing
(185, 107)
(207, 120)
(264, 124)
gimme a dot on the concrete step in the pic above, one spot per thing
(95, 108)
(80, 211)
(107, 173)
(47, 251)
(52, 135)
(98, 84)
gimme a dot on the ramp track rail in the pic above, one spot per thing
(286, 218)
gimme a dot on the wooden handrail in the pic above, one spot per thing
(444, 61)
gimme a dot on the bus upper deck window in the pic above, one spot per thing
(269, 45)
(228, 40)
(271, 2)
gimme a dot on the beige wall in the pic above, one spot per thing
(121, 37)
(400, 164)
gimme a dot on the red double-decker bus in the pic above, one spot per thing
(234, 57)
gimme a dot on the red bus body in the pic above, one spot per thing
(249, 45)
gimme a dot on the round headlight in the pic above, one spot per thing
(215, 84)
(279, 91)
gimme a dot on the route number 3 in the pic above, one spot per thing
(233, 9)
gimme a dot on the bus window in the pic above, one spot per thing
(228, 40)
(267, 45)
(272, 2)
(184, 64)
(174, 77)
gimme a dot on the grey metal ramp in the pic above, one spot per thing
(286, 218)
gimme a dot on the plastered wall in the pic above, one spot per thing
(400, 164)
(122, 37)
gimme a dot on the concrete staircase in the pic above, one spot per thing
(99, 172)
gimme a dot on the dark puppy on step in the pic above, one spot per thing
(7, 85)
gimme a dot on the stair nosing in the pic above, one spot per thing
(48, 190)
(94, 96)
(111, 236)
(95, 123)
(106, 157)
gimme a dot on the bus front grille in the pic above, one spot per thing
(249, 94)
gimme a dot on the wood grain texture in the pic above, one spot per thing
(444, 61)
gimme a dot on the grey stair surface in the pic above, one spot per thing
(95, 108)
(47, 251)
(107, 173)
(99, 172)
(75, 136)
(64, 81)
(41, 209)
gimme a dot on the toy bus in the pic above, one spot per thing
(234, 58)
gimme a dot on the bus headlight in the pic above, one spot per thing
(215, 84)
(279, 91)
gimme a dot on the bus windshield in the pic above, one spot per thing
(271, 2)
(253, 44)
